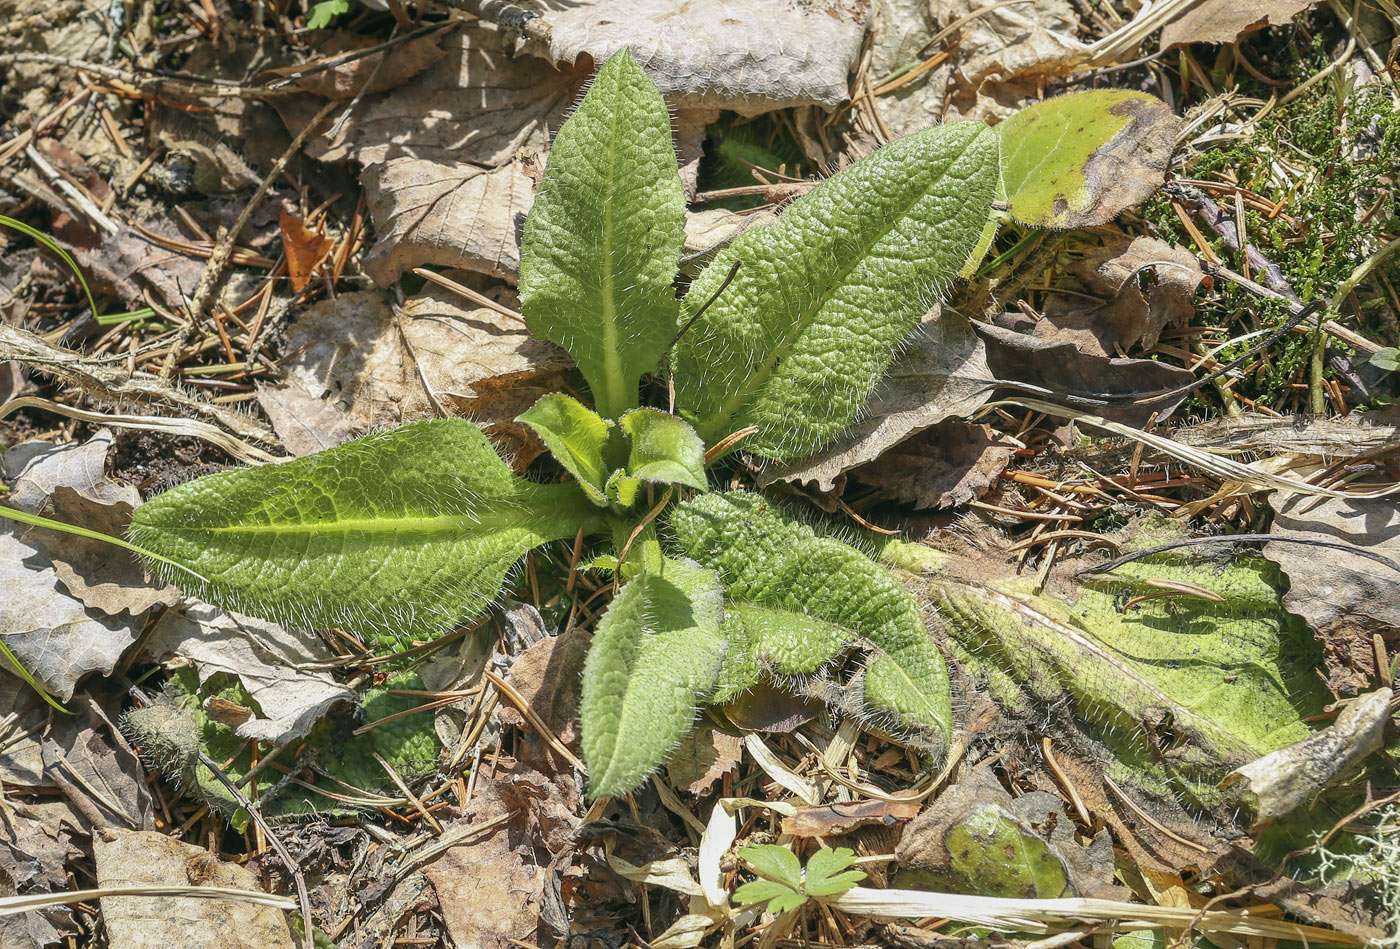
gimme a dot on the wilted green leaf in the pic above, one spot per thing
(1077, 160)
(656, 650)
(576, 436)
(396, 536)
(823, 297)
(603, 240)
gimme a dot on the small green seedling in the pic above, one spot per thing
(401, 535)
(785, 886)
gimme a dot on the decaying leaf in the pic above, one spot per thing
(489, 892)
(384, 368)
(1347, 599)
(1077, 160)
(36, 843)
(976, 839)
(1286, 779)
(22, 714)
(941, 373)
(1224, 21)
(88, 758)
(944, 466)
(269, 660)
(1126, 319)
(144, 922)
(749, 56)
(826, 820)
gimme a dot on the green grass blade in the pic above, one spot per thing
(48, 242)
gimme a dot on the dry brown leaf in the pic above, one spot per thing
(95, 768)
(1224, 21)
(128, 262)
(305, 248)
(766, 708)
(476, 361)
(944, 466)
(826, 820)
(304, 422)
(1126, 320)
(21, 761)
(274, 664)
(1059, 364)
(1344, 597)
(704, 756)
(160, 922)
(941, 373)
(345, 80)
(749, 56)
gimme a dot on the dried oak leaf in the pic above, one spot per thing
(144, 922)
(1224, 21)
(749, 56)
(1344, 597)
(944, 466)
(941, 373)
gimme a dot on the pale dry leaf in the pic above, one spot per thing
(1224, 21)
(30, 930)
(941, 373)
(1344, 597)
(489, 893)
(748, 56)
(373, 364)
(1126, 319)
(944, 466)
(145, 922)
(68, 483)
(271, 662)
(304, 422)
(346, 80)
(704, 756)
(22, 714)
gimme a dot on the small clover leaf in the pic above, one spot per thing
(824, 872)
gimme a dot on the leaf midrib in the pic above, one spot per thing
(433, 524)
(614, 398)
(741, 396)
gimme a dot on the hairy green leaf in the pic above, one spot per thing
(662, 449)
(1077, 160)
(603, 240)
(806, 584)
(656, 651)
(395, 536)
(576, 436)
(823, 297)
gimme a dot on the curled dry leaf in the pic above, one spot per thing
(703, 757)
(305, 248)
(749, 56)
(1060, 365)
(1344, 597)
(145, 922)
(827, 820)
(269, 660)
(941, 373)
(1224, 21)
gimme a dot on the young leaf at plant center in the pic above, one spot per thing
(662, 449)
(817, 595)
(576, 436)
(655, 652)
(1077, 160)
(603, 239)
(395, 536)
(823, 297)
(825, 876)
(780, 896)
